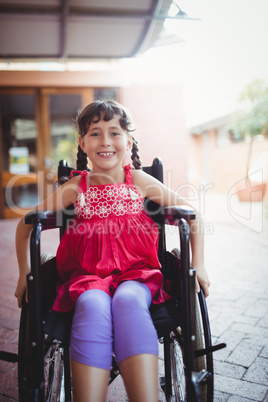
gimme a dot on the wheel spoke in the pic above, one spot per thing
(177, 371)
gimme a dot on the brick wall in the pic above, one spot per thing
(224, 166)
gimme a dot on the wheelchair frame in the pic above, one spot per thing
(179, 332)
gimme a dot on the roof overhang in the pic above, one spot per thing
(80, 29)
(212, 124)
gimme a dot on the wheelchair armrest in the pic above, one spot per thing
(48, 219)
(175, 213)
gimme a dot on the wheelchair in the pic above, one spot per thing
(182, 323)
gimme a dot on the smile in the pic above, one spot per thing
(106, 153)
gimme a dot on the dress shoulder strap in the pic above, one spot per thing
(129, 181)
(83, 182)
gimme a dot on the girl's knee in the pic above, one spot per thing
(93, 309)
(93, 301)
(124, 295)
(130, 295)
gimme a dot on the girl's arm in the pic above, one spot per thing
(64, 196)
(159, 193)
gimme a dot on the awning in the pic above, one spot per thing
(80, 29)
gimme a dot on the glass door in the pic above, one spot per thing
(18, 170)
(63, 109)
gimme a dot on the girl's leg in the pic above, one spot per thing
(140, 374)
(89, 383)
(135, 341)
(91, 346)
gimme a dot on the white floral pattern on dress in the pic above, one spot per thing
(93, 194)
(110, 193)
(111, 199)
(87, 212)
(103, 209)
(123, 191)
(135, 206)
(119, 207)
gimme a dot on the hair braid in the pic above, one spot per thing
(81, 162)
(136, 162)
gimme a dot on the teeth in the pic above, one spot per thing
(106, 153)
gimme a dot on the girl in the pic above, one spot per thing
(107, 259)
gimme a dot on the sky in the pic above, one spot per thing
(221, 53)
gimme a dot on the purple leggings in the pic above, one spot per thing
(122, 324)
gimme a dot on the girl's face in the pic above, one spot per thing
(106, 144)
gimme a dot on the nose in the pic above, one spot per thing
(105, 140)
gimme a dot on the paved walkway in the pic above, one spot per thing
(236, 250)
(237, 260)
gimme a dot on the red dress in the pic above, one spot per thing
(110, 240)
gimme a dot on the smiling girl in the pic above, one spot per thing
(107, 259)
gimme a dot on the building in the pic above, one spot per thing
(219, 159)
(37, 113)
(37, 108)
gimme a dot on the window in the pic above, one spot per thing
(107, 93)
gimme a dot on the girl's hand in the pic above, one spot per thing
(203, 280)
(21, 289)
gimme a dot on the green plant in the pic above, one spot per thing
(253, 118)
(65, 148)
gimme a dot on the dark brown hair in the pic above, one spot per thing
(105, 109)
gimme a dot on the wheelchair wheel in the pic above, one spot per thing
(53, 362)
(201, 362)
(204, 341)
(178, 378)
(53, 371)
(26, 372)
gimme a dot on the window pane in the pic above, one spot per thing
(64, 137)
(19, 134)
(18, 127)
(107, 93)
